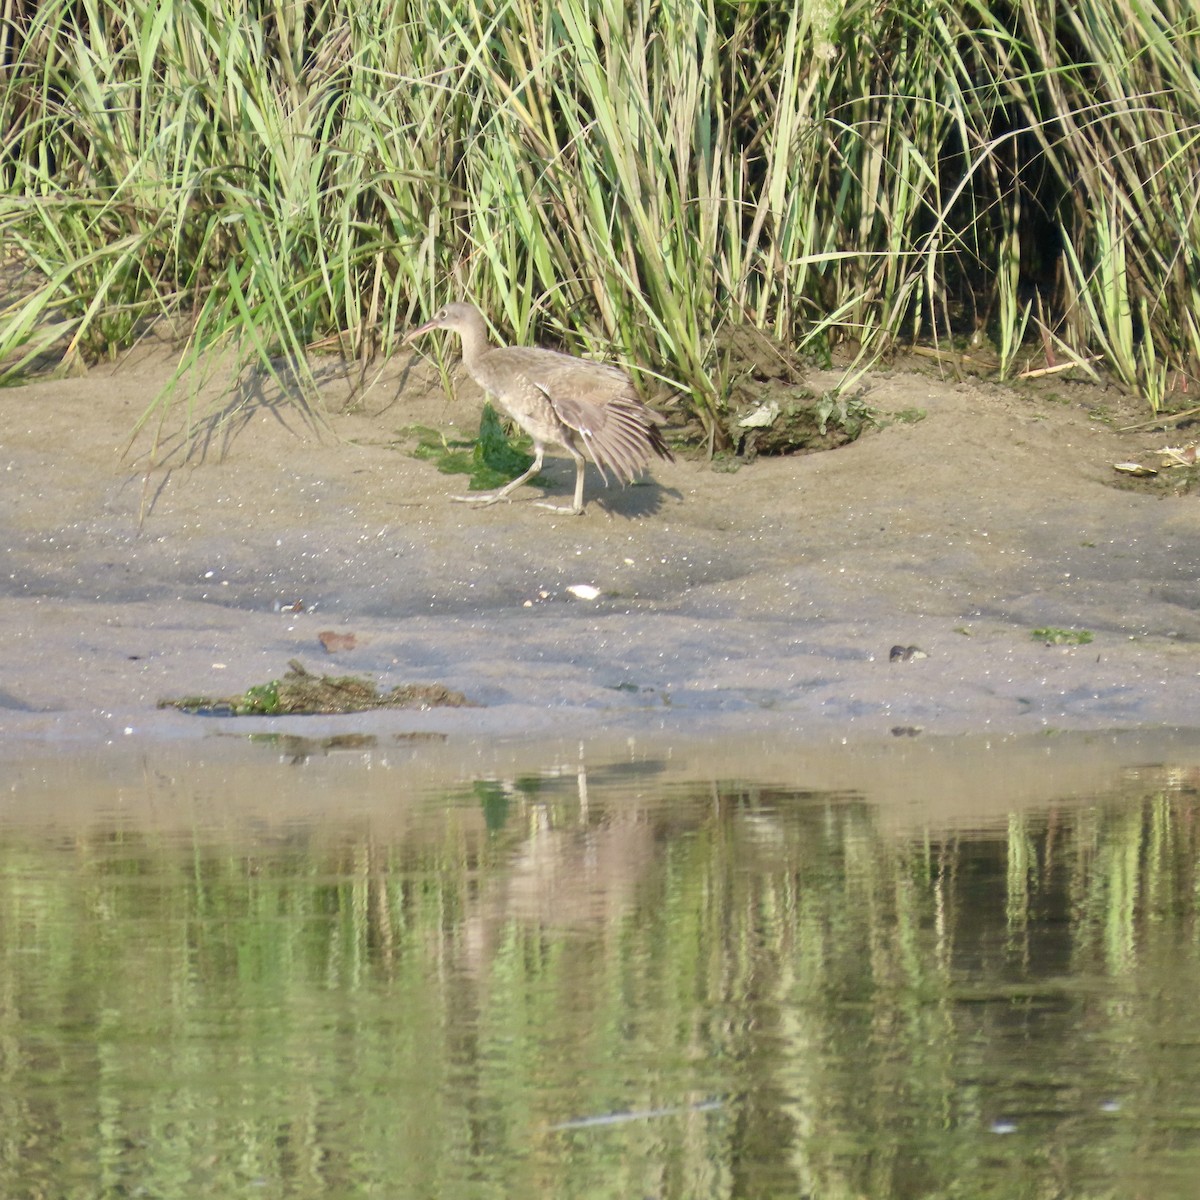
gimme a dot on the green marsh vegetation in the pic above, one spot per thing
(625, 177)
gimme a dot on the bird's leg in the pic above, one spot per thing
(575, 509)
(485, 498)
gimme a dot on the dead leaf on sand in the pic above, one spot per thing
(335, 642)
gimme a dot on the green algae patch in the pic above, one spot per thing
(1063, 637)
(302, 693)
(491, 461)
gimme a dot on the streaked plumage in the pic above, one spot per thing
(558, 400)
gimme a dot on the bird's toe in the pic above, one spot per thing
(559, 508)
(482, 499)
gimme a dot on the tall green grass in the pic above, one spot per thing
(625, 175)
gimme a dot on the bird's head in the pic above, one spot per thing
(456, 317)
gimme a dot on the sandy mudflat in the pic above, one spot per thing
(765, 599)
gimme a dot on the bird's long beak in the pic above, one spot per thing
(420, 329)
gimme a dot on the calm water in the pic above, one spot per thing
(287, 970)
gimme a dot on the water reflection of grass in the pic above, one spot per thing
(331, 1015)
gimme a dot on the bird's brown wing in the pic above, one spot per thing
(618, 435)
(597, 402)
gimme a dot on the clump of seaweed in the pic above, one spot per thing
(300, 692)
(491, 460)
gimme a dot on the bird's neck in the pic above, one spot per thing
(475, 345)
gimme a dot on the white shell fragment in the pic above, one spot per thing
(761, 417)
(583, 591)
